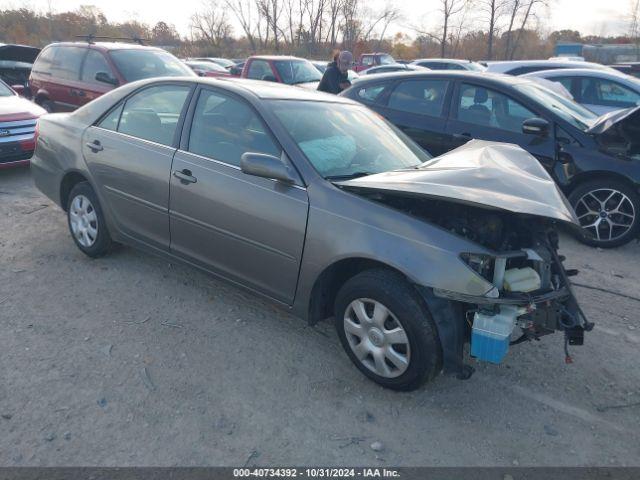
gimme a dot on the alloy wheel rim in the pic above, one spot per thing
(377, 338)
(83, 221)
(606, 214)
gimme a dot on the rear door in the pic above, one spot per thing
(64, 85)
(94, 63)
(129, 154)
(419, 107)
(487, 114)
(249, 229)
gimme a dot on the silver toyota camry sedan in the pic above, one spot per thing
(322, 206)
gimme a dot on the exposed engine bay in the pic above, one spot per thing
(499, 197)
(533, 293)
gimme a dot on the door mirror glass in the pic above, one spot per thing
(536, 126)
(19, 89)
(266, 166)
(104, 77)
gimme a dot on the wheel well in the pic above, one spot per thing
(597, 175)
(330, 281)
(69, 181)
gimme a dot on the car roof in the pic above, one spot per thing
(274, 57)
(442, 60)
(105, 46)
(584, 72)
(271, 90)
(511, 64)
(451, 74)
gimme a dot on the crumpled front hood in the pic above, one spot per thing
(485, 174)
(608, 120)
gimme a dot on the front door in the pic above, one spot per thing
(129, 154)
(486, 114)
(91, 89)
(419, 108)
(248, 229)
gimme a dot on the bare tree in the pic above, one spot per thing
(494, 9)
(271, 11)
(243, 11)
(529, 11)
(449, 8)
(210, 24)
(634, 20)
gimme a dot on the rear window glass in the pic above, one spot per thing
(44, 62)
(424, 97)
(139, 64)
(67, 62)
(153, 113)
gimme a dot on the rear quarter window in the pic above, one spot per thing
(371, 93)
(44, 61)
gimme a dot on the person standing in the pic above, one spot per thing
(336, 78)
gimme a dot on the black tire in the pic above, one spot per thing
(620, 235)
(48, 105)
(102, 242)
(394, 292)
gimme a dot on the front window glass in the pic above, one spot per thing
(488, 108)
(136, 64)
(386, 60)
(260, 70)
(424, 97)
(93, 64)
(595, 91)
(224, 128)
(153, 113)
(567, 109)
(293, 72)
(5, 91)
(350, 141)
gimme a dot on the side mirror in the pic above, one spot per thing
(19, 89)
(266, 166)
(536, 126)
(104, 77)
(269, 78)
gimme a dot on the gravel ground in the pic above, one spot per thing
(131, 360)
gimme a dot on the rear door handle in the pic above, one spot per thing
(95, 146)
(462, 136)
(185, 176)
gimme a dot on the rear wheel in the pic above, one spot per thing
(47, 105)
(86, 221)
(608, 212)
(387, 331)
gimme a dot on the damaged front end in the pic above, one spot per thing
(499, 197)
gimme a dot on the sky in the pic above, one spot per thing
(595, 17)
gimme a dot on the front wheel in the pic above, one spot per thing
(86, 221)
(608, 212)
(387, 331)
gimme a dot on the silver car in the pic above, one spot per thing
(319, 204)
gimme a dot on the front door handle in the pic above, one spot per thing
(95, 146)
(185, 176)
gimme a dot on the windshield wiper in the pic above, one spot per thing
(349, 176)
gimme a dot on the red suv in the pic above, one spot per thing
(282, 69)
(67, 75)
